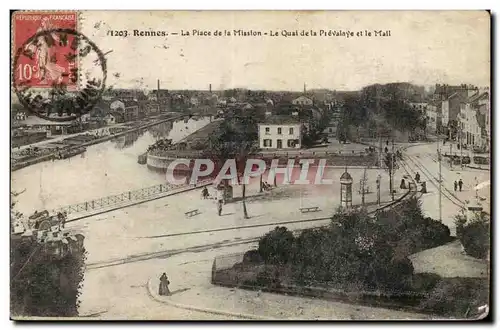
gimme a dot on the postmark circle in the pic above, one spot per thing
(53, 91)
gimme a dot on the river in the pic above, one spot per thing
(104, 169)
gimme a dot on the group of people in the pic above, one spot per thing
(266, 186)
(458, 184)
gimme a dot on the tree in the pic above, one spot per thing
(277, 246)
(475, 236)
(391, 166)
(363, 188)
(235, 138)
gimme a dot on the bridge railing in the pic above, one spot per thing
(127, 197)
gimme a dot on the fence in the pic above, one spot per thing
(127, 198)
(238, 271)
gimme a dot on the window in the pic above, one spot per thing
(268, 143)
(279, 130)
(291, 143)
(280, 144)
(268, 130)
(290, 131)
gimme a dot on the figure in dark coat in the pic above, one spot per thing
(455, 185)
(164, 282)
(219, 207)
(204, 193)
(417, 177)
(403, 184)
(460, 184)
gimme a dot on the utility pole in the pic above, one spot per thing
(378, 189)
(460, 142)
(363, 188)
(380, 150)
(392, 170)
(440, 183)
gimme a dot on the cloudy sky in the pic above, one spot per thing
(425, 47)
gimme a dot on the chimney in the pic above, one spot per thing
(210, 88)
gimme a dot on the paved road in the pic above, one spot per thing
(127, 247)
(423, 159)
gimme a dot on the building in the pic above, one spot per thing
(50, 128)
(131, 110)
(303, 101)
(474, 122)
(450, 108)
(280, 132)
(420, 106)
(117, 105)
(443, 92)
(194, 101)
(124, 94)
(433, 117)
(331, 128)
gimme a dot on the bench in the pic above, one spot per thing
(192, 213)
(309, 209)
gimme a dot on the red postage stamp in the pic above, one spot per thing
(43, 53)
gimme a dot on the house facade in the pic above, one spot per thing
(280, 132)
(302, 100)
(474, 121)
(433, 117)
(450, 108)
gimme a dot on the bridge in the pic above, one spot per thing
(129, 198)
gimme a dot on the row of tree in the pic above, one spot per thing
(380, 109)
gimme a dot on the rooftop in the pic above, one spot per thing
(281, 119)
(478, 96)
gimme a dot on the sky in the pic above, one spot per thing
(424, 47)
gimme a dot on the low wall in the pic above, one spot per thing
(161, 162)
(28, 138)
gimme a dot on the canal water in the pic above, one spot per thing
(104, 169)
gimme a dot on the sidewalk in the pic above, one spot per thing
(243, 304)
(449, 261)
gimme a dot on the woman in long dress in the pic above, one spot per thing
(164, 282)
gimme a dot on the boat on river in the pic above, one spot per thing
(70, 152)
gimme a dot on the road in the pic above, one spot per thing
(156, 237)
(130, 246)
(423, 159)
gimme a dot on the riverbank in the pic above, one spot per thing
(50, 156)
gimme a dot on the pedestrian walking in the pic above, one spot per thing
(460, 184)
(204, 193)
(417, 177)
(219, 207)
(164, 282)
(403, 184)
(455, 185)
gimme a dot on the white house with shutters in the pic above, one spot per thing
(280, 132)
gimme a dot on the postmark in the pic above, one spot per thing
(58, 73)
